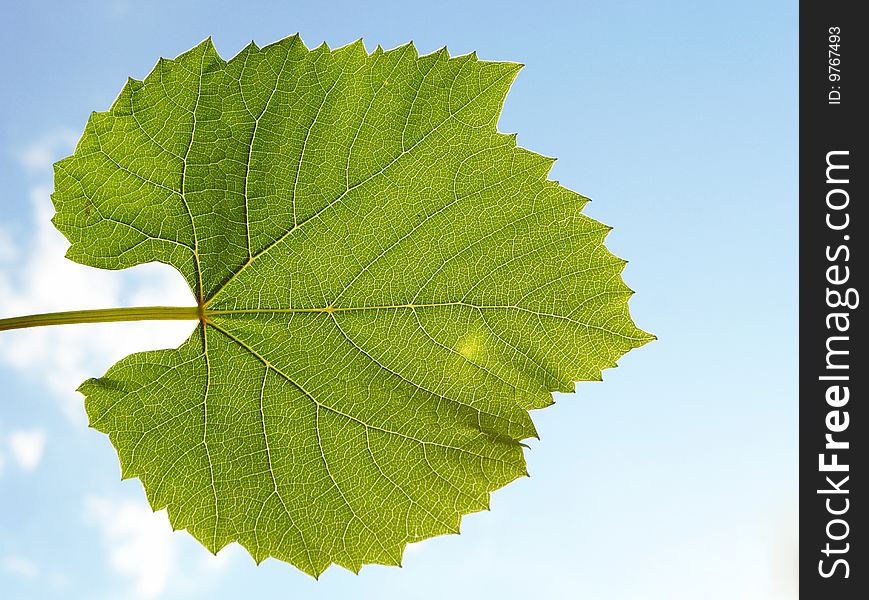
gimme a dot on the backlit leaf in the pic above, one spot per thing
(388, 285)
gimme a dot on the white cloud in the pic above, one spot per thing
(22, 567)
(8, 252)
(142, 547)
(139, 542)
(27, 447)
(36, 277)
(43, 152)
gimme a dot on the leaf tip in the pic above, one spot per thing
(82, 388)
(357, 44)
(414, 53)
(207, 46)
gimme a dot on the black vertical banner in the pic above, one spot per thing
(834, 437)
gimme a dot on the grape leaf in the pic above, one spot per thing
(387, 285)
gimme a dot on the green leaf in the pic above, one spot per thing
(387, 286)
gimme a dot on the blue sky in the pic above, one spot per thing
(675, 478)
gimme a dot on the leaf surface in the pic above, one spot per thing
(388, 285)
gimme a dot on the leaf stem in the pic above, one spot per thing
(104, 315)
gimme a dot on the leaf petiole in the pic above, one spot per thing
(104, 315)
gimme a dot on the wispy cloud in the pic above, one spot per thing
(8, 252)
(21, 567)
(138, 542)
(26, 447)
(39, 155)
(141, 546)
(23, 446)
